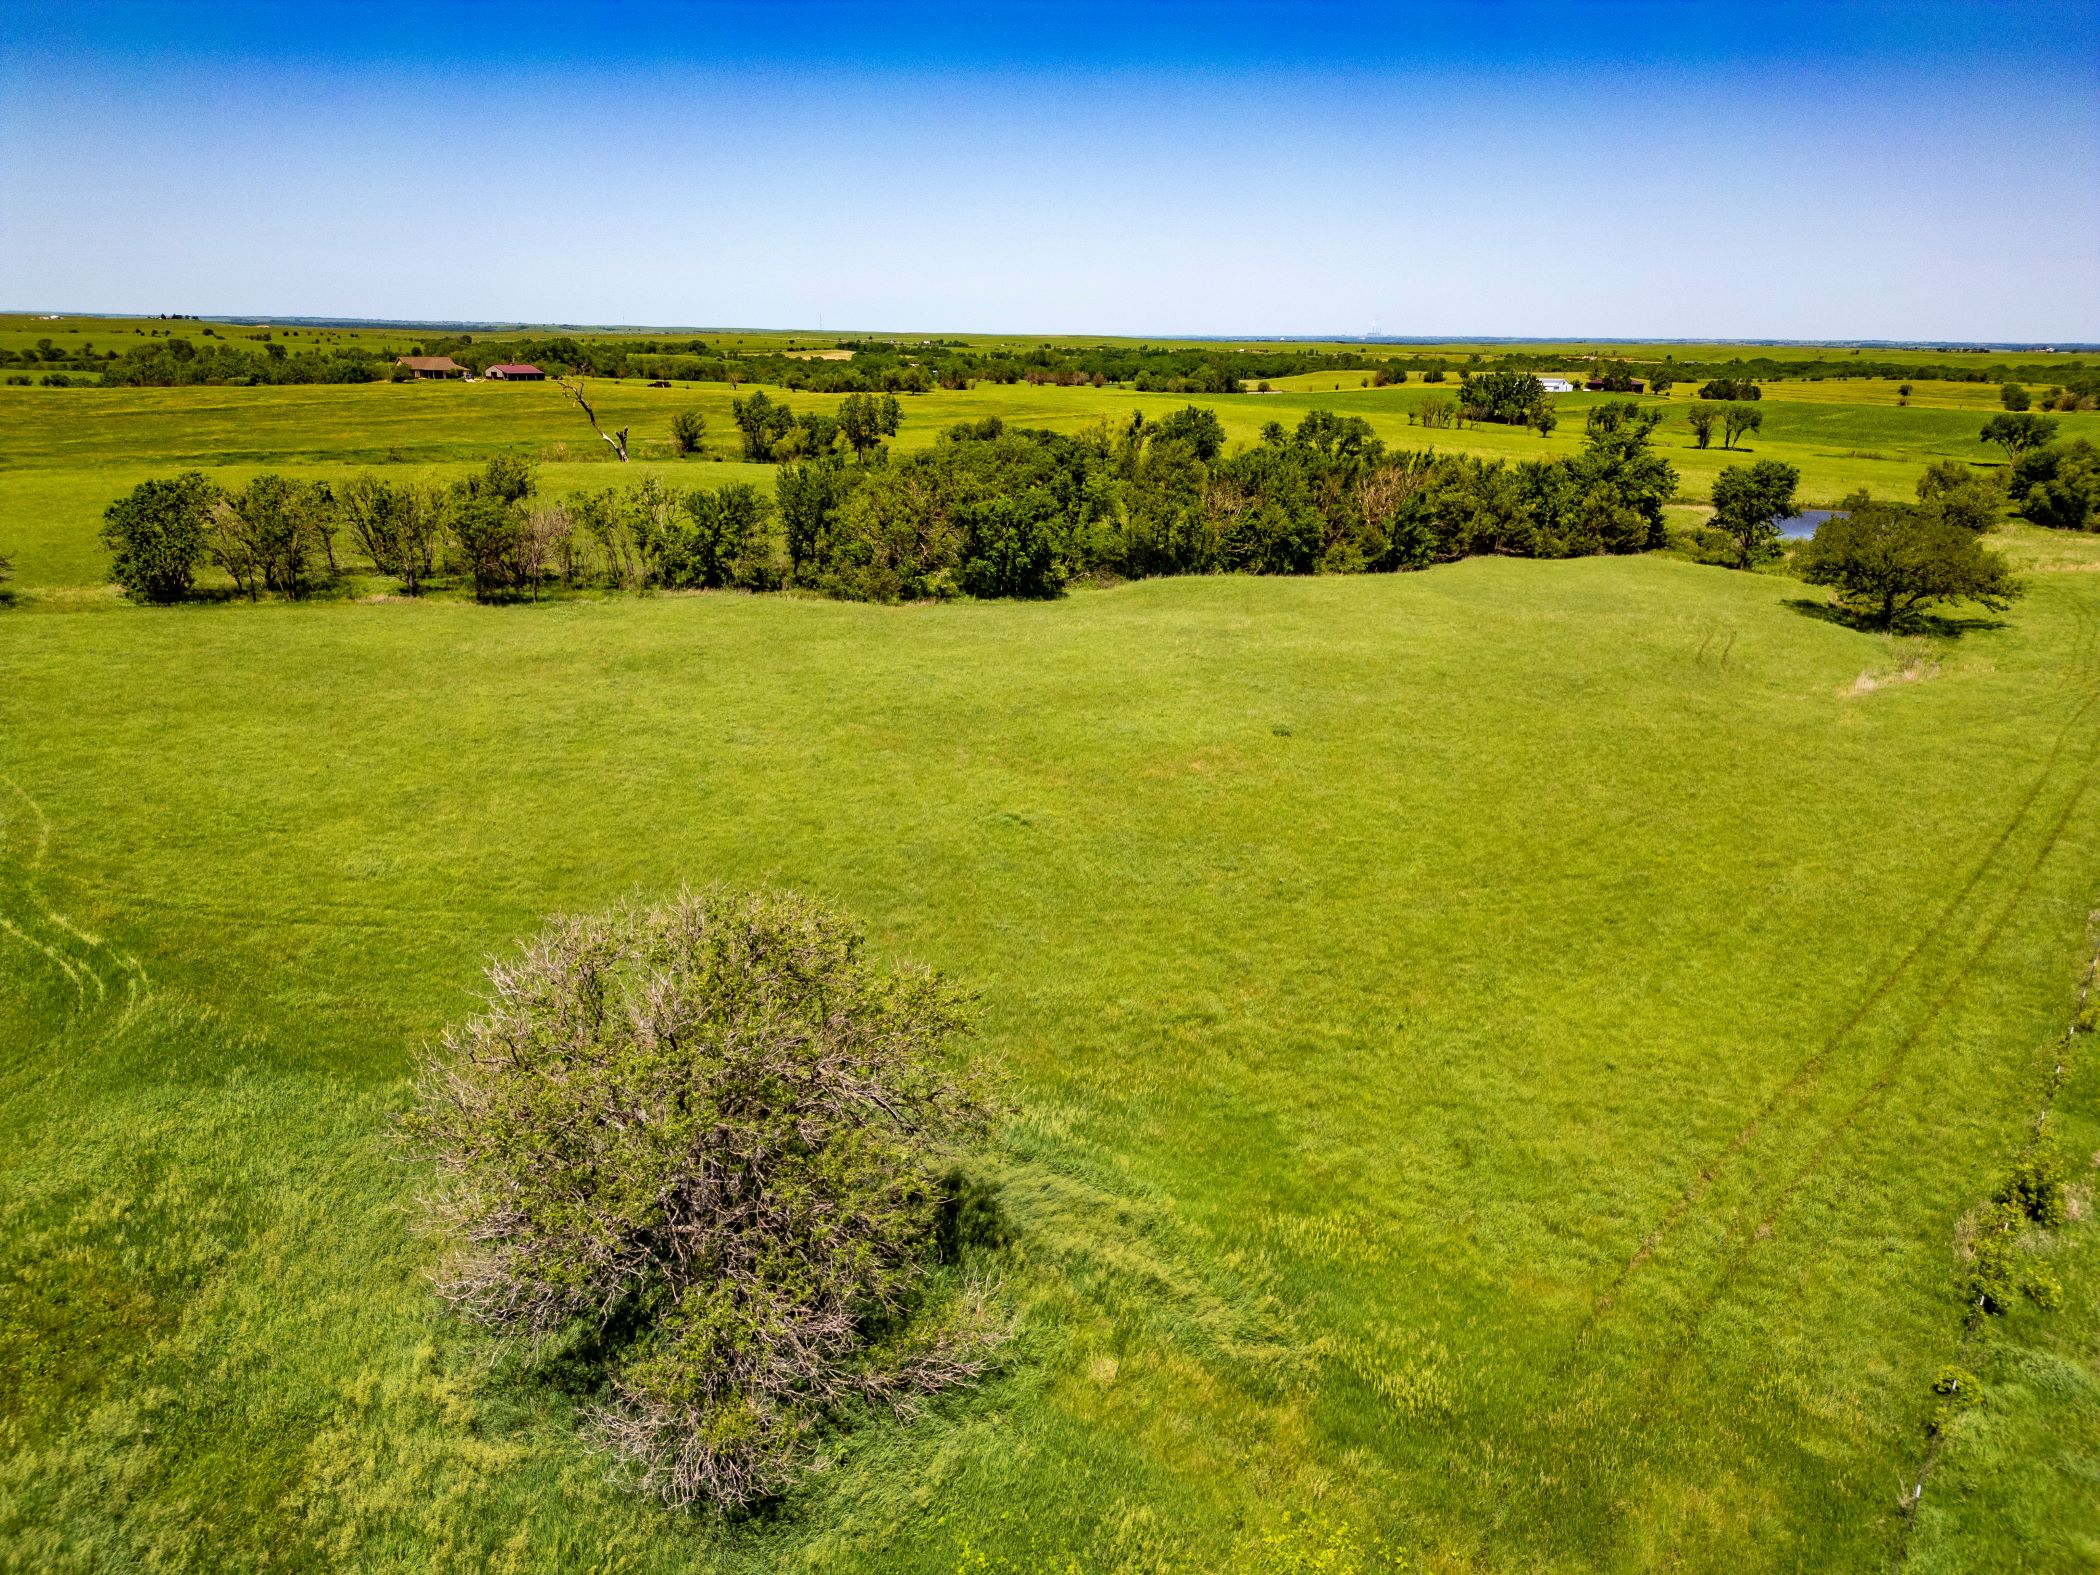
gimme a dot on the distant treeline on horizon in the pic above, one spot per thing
(891, 366)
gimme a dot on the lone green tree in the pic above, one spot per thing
(2014, 397)
(714, 1145)
(1509, 397)
(762, 422)
(1740, 420)
(156, 534)
(487, 517)
(2017, 433)
(1889, 562)
(1749, 503)
(866, 419)
(1701, 418)
(1196, 425)
(688, 432)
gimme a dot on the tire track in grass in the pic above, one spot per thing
(1810, 1070)
(1886, 1079)
(1651, 1381)
(2089, 627)
(34, 923)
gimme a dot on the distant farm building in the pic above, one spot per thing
(1623, 385)
(431, 365)
(1556, 385)
(516, 372)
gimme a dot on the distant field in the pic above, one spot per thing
(1501, 1058)
(18, 331)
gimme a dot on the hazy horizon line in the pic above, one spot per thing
(317, 320)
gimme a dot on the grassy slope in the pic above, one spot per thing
(1378, 965)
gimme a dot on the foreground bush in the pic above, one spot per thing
(711, 1141)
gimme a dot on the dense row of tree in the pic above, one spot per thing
(771, 431)
(175, 363)
(993, 511)
(986, 511)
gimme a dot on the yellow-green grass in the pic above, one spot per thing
(66, 453)
(1499, 1057)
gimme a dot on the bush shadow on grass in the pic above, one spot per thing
(1938, 626)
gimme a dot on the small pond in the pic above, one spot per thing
(1799, 527)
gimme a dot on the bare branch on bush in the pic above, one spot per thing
(713, 1129)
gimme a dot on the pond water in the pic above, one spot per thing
(1799, 527)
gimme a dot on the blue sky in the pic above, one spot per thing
(1578, 167)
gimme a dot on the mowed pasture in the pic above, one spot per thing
(1499, 1059)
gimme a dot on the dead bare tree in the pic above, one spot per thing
(573, 387)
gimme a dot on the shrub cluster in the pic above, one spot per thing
(1513, 398)
(2002, 1268)
(771, 431)
(711, 1147)
(2058, 485)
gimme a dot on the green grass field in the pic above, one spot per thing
(1500, 1057)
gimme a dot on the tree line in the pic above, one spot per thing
(996, 511)
(988, 510)
(917, 366)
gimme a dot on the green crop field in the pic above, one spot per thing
(1501, 1061)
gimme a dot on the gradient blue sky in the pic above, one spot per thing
(1578, 167)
